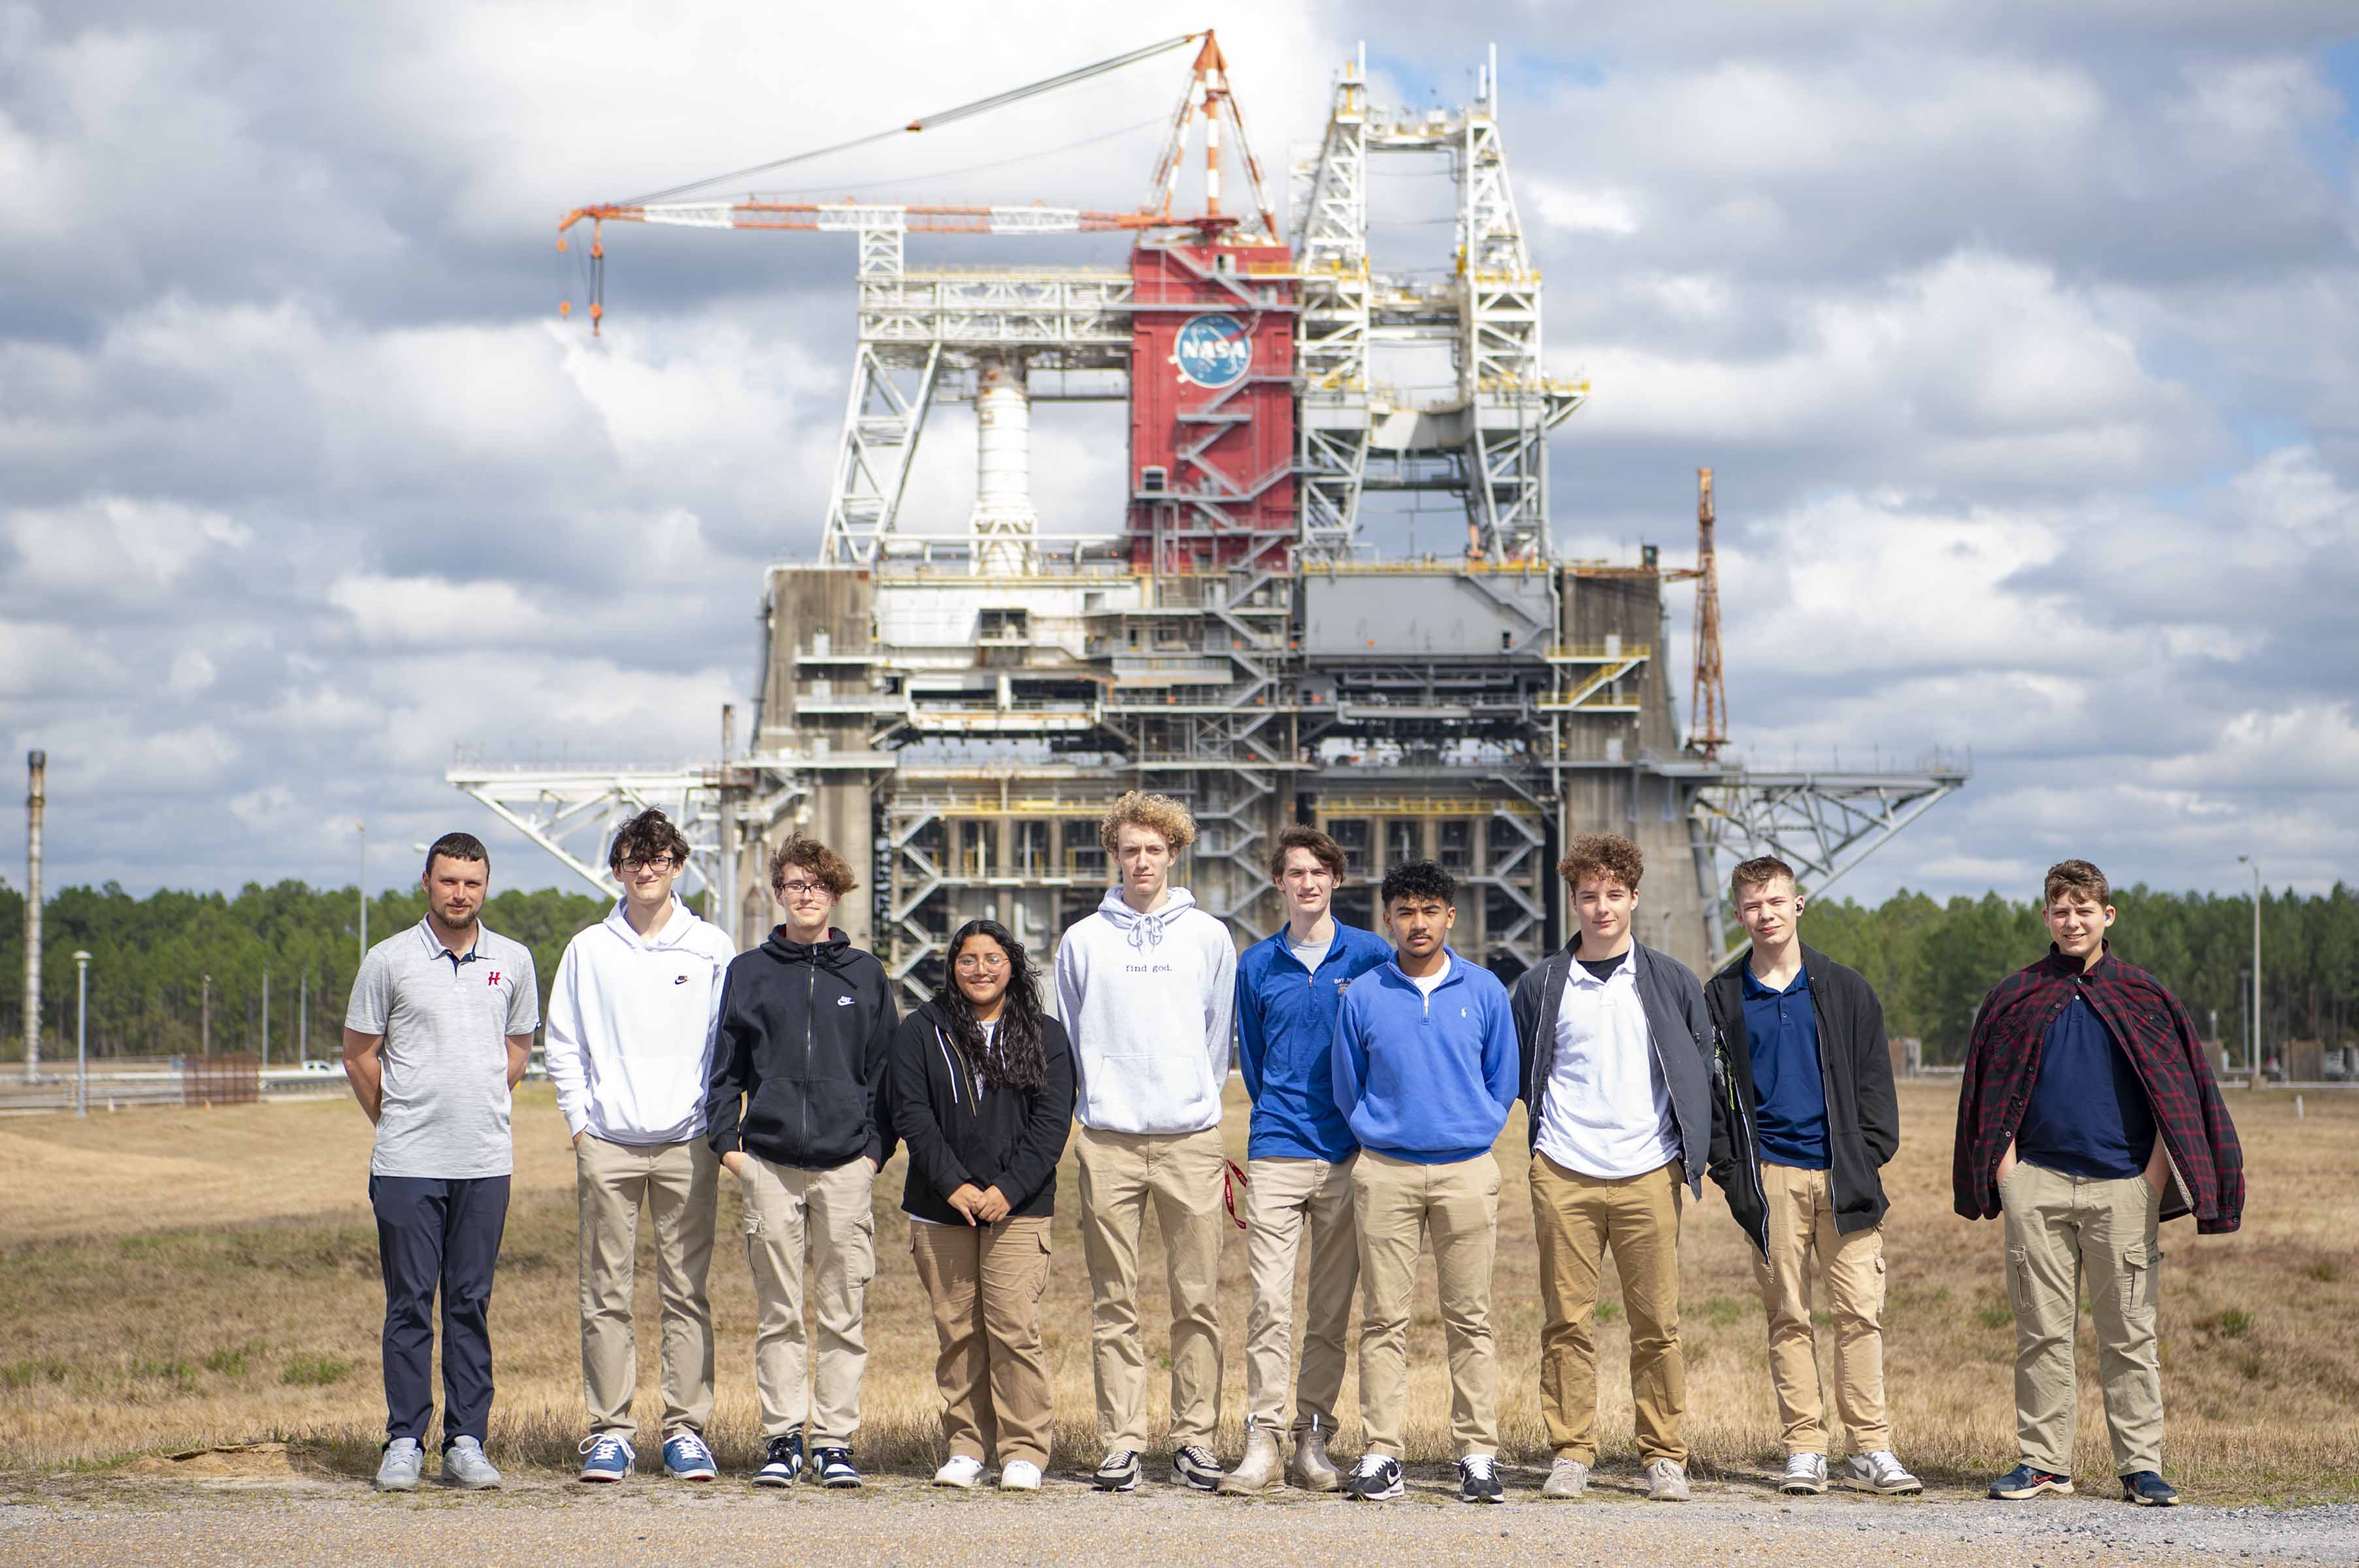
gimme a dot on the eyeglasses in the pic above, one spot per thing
(971, 962)
(805, 890)
(659, 864)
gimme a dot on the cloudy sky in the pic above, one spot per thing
(2024, 339)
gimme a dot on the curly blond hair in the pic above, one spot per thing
(1602, 854)
(1159, 813)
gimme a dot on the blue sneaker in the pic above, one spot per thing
(2148, 1490)
(2029, 1480)
(686, 1458)
(609, 1457)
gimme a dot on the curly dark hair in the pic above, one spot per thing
(823, 863)
(1417, 879)
(1015, 1058)
(649, 836)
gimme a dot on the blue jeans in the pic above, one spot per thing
(434, 1233)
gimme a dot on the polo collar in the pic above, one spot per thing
(435, 949)
(2063, 967)
(1579, 973)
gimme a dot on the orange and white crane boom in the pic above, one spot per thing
(1208, 96)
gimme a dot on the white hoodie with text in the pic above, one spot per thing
(630, 1027)
(1146, 998)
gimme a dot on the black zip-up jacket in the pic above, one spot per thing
(961, 1132)
(1677, 1026)
(800, 1055)
(1854, 1069)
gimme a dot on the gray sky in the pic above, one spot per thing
(2024, 341)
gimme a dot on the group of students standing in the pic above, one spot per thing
(1382, 1071)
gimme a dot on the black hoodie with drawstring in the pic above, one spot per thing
(800, 1054)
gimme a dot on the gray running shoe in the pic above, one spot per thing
(465, 1466)
(1806, 1475)
(1667, 1482)
(397, 1471)
(1567, 1479)
(1882, 1472)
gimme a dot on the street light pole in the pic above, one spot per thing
(364, 832)
(205, 1020)
(82, 1033)
(2255, 1066)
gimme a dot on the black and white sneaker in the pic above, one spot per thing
(1375, 1479)
(782, 1465)
(1194, 1465)
(1117, 1472)
(834, 1467)
(1478, 1480)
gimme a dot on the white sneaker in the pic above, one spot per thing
(964, 1471)
(1806, 1476)
(1019, 1476)
(1882, 1472)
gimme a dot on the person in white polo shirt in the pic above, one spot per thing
(630, 1046)
(437, 1033)
(1616, 1044)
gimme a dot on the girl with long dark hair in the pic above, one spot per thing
(983, 1094)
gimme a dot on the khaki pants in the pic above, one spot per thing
(1180, 1173)
(2063, 1232)
(1284, 1198)
(788, 1211)
(1576, 1219)
(1394, 1203)
(675, 1183)
(985, 1282)
(1802, 1223)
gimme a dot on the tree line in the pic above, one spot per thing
(1931, 961)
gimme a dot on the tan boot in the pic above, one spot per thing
(1310, 1469)
(1258, 1471)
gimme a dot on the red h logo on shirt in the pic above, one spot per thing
(495, 979)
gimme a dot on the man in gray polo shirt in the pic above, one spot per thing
(437, 1034)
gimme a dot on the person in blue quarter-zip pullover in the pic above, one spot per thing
(1425, 1072)
(1299, 1162)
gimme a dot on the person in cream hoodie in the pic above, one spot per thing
(1143, 987)
(630, 1027)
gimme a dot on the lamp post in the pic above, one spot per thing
(2256, 1064)
(82, 1033)
(363, 829)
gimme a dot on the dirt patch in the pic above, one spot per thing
(231, 1461)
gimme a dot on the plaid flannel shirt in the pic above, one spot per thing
(2207, 1165)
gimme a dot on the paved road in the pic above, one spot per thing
(899, 1522)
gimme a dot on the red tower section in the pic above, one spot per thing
(1211, 407)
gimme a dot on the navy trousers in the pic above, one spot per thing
(433, 1234)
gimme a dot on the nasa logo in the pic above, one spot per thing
(1213, 349)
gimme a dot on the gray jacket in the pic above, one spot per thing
(1679, 1025)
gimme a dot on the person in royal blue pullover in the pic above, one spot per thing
(1299, 1162)
(1425, 1072)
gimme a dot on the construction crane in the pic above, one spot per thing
(1207, 96)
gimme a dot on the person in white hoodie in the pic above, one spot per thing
(630, 1028)
(1143, 987)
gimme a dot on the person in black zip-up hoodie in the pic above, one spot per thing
(1804, 1117)
(796, 1110)
(982, 1090)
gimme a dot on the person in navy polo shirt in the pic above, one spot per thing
(2087, 1115)
(1804, 1119)
(437, 1033)
(1298, 1162)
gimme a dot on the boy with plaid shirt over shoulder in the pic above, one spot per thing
(2087, 1115)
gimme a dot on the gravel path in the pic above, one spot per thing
(898, 1521)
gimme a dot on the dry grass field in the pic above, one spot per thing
(175, 1278)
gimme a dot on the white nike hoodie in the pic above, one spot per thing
(630, 1027)
(1146, 999)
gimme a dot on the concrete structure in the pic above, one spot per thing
(962, 702)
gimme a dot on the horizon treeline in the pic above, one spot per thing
(1931, 961)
